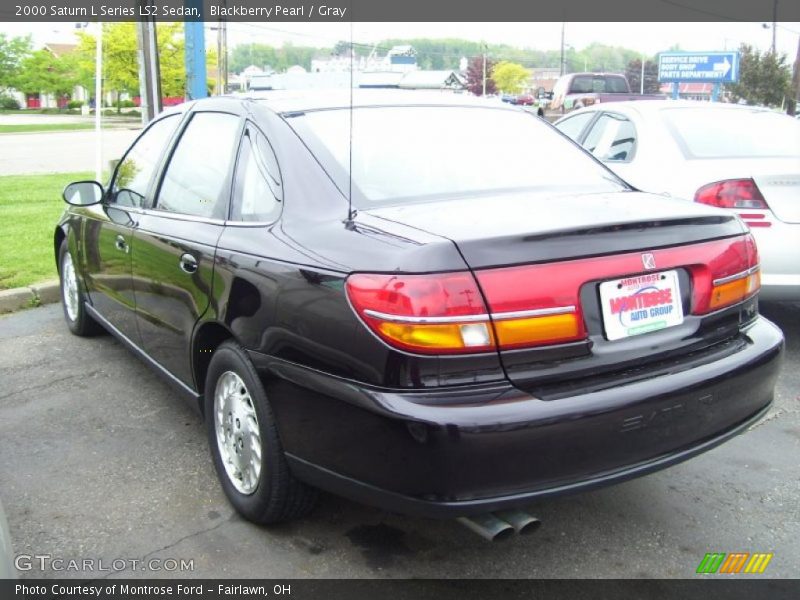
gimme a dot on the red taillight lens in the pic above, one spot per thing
(732, 193)
(431, 314)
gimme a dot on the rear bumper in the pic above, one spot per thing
(457, 452)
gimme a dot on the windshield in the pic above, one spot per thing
(731, 133)
(417, 152)
(599, 84)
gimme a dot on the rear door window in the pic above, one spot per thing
(197, 179)
(611, 138)
(258, 190)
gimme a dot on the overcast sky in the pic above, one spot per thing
(648, 38)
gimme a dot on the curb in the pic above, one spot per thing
(48, 292)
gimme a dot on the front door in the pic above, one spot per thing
(109, 227)
(174, 243)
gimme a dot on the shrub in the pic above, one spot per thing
(72, 104)
(8, 102)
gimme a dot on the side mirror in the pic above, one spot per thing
(83, 193)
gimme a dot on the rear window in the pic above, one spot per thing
(598, 84)
(731, 133)
(418, 152)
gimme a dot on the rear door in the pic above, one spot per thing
(109, 228)
(175, 242)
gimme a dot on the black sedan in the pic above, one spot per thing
(392, 301)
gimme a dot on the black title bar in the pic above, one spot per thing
(400, 10)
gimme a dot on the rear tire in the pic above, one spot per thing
(73, 299)
(244, 442)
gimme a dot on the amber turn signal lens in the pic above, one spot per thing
(735, 291)
(538, 330)
(448, 336)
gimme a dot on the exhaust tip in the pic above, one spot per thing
(488, 527)
(522, 522)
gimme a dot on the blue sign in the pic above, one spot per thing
(702, 67)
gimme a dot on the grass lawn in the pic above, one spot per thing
(32, 127)
(29, 208)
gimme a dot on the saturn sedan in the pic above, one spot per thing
(740, 158)
(392, 301)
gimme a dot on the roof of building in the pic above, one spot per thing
(60, 49)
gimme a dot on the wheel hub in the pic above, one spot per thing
(238, 433)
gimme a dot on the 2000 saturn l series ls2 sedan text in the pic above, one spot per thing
(463, 326)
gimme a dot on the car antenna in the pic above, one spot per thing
(350, 212)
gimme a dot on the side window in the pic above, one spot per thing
(573, 126)
(611, 138)
(258, 192)
(133, 174)
(194, 182)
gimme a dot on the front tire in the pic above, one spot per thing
(244, 442)
(73, 299)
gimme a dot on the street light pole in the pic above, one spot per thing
(562, 48)
(774, 23)
(98, 93)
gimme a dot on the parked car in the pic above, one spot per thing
(734, 157)
(577, 90)
(524, 100)
(422, 319)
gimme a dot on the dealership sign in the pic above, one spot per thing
(702, 67)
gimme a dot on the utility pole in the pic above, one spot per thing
(774, 23)
(149, 69)
(562, 47)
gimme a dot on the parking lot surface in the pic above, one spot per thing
(60, 151)
(101, 460)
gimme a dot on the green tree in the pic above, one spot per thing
(764, 79)
(12, 52)
(633, 73)
(43, 72)
(510, 77)
(121, 59)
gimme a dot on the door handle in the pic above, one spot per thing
(120, 244)
(188, 263)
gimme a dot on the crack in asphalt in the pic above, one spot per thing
(222, 522)
(48, 384)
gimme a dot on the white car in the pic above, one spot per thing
(735, 157)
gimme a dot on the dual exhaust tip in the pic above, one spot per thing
(501, 525)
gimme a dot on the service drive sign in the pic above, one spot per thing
(640, 304)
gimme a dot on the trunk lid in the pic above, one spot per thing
(546, 227)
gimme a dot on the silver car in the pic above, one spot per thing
(736, 157)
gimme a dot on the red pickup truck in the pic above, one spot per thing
(577, 90)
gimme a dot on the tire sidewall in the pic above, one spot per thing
(229, 357)
(76, 325)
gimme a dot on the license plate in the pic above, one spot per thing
(640, 304)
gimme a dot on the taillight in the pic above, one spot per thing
(732, 193)
(445, 314)
(739, 194)
(431, 314)
(735, 276)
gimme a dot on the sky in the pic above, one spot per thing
(648, 38)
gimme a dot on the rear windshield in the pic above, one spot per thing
(731, 133)
(598, 84)
(418, 152)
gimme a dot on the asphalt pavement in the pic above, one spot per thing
(61, 151)
(101, 461)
